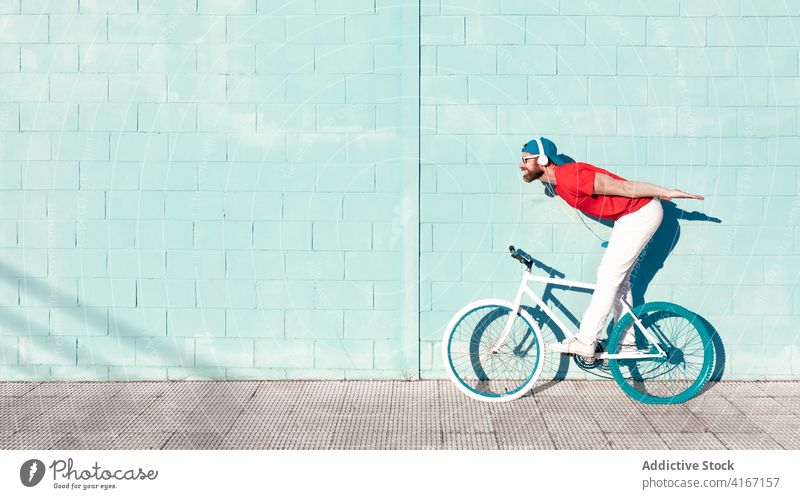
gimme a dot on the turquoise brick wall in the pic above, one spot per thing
(208, 189)
(692, 94)
(259, 189)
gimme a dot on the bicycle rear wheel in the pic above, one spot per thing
(678, 376)
(477, 371)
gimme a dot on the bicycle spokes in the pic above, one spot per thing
(523, 348)
(685, 365)
(487, 372)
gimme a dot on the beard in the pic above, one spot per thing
(535, 175)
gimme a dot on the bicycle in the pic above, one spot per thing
(492, 356)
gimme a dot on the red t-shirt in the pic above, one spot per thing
(575, 184)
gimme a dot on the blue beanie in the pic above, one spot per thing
(531, 147)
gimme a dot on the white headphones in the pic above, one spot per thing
(541, 160)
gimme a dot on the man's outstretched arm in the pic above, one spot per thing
(609, 186)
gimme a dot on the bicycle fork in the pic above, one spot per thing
(512, 316)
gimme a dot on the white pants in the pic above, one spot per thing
(629, 236)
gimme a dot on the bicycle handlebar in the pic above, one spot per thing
(529, 261)
(520, 255)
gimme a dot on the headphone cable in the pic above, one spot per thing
(580, 215)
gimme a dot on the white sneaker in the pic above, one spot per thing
(575, 345)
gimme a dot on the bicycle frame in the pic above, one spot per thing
(528, 276)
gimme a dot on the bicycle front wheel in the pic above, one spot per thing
(501, 375)
(681, 373)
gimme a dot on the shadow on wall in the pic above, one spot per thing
(660, 246)
(650, 262)
(658, 249)
(44, 348)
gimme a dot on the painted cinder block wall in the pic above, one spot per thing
(310, 188)
(208, 189)
(696, 95)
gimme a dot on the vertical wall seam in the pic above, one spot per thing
(408, 134)
(419, 187)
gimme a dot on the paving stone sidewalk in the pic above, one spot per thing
(387, 415)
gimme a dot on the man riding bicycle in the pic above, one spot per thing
(636, 211)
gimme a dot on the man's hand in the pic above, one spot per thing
(675, 193)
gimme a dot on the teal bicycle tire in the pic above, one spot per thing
(686, 341)
(480, 379)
